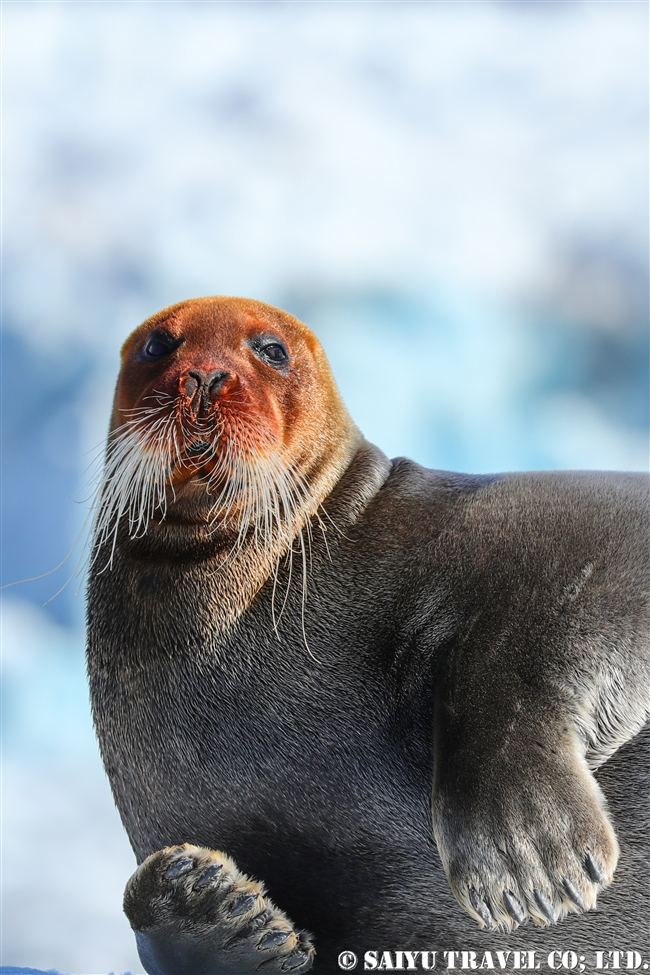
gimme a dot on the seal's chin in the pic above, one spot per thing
(184, 528)
(190, 503)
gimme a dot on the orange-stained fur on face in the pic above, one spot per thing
(274, 441)
(215, 333)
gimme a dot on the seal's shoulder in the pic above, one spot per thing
(408, 479)
(531, 509)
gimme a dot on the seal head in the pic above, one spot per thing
(227, 433)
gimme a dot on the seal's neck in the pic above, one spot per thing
(239, 577)
(365, 474)
(229, 573)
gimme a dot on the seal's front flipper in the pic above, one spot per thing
(521, 824)
(195, 913)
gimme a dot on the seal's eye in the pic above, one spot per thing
(272, 350)
(275, 352)
(157, 347)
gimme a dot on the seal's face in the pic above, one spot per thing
(226, 418)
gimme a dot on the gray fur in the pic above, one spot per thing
(488, 635)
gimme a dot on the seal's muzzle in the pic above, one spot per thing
(203, 389)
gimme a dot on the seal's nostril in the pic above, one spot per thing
(201, 387)
(216, 381)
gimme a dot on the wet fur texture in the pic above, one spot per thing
(477, 646)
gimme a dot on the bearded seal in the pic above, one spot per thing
(354, 688)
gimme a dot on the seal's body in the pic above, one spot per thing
(437, 684)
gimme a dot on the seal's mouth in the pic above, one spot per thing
(198, 458)
(199, 447)
(195, 457)
(222, 473)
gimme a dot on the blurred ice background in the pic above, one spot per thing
(453, 196)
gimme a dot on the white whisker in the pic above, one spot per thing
(254, 493)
